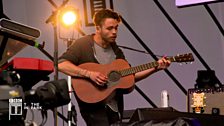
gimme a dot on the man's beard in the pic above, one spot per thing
(108, 39)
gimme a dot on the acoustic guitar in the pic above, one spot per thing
(120, 78)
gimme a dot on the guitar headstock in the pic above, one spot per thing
(183, 58)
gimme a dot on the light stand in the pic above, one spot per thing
(53, 20)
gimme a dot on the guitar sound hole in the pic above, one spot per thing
(114, 76)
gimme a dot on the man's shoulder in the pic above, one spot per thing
(84, 41)
(85, 38)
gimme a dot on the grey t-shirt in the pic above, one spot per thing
(106, 56)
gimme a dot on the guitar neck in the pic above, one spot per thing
(142, 67)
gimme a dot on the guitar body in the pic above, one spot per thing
(89, 92)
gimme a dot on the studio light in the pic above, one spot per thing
(52, 94)
(68, 16)
(69, 24)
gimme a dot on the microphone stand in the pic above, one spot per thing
(125, 47)
(70, 106)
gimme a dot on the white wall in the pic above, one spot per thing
(154, 29)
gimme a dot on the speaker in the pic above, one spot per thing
(169, 114)
(206, 101)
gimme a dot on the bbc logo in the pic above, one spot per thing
(15, 107)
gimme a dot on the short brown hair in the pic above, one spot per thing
(101, 15)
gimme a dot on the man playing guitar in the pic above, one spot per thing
(100, 48)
